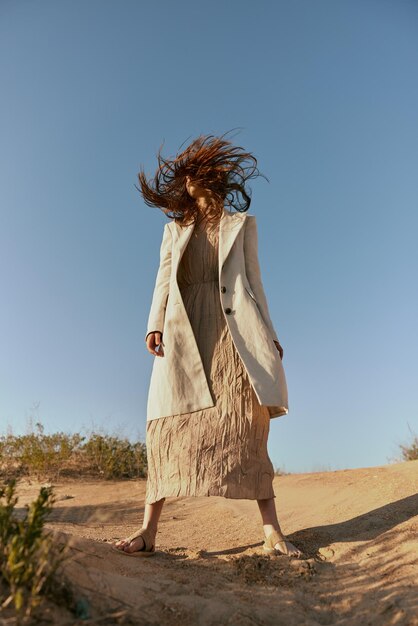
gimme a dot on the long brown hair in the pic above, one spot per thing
(211, 162)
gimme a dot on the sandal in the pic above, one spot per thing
(275, 537)
(148, 549)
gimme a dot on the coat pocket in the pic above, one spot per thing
(251, 294)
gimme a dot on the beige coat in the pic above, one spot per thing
(178, 381)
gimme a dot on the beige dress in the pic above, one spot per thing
(221, 450)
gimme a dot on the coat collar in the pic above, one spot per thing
(229, 226)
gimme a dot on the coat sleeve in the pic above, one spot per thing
(253, 271)
(162, 285)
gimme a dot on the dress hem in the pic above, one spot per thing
(209, 495)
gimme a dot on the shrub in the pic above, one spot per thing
(410, 452)
(60, 454)
(29, 558)
(37, 453)
(114, 457)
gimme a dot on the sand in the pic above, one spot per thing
(358, 527)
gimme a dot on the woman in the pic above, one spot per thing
(217, 379)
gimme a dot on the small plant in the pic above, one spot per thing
(52, 456)
(29, 557)
(280, 471)
(410, 452)
(114, 457)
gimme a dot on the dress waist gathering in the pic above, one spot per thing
(199, 282)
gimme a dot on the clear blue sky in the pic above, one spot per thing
(324, 93)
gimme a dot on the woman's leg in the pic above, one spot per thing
(270, 522)
(151, 517)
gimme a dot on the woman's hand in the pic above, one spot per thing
(154, 341)
(279, 347)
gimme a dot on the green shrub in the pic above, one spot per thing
(39, 454)
(114, 457)
(60, 454)
(29, 557)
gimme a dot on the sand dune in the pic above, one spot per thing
(359, 529)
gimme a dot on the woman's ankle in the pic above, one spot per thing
(151, 527)
(269, 528)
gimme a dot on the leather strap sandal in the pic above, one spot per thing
(275, 537)
(148, 549)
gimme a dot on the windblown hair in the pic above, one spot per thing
(212, 163)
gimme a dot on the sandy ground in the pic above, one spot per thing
(357, 527)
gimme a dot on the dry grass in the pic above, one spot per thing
(44, 456)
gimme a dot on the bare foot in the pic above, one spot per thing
(286, 547)
(134, 545)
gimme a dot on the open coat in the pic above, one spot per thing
(178, 381)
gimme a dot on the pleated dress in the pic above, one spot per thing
(220, 450)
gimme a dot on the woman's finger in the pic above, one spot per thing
(151, 343)
(154, 341)
(159, 343)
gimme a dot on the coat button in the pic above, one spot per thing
(223, 289)
(228, 310)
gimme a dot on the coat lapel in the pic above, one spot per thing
(229, 227)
